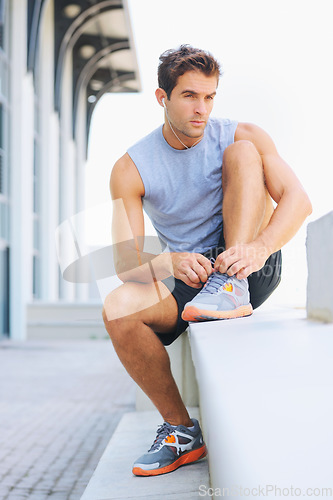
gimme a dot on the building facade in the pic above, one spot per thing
(57, 58)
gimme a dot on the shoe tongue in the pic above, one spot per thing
(162, 432)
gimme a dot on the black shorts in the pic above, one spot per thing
(261, 285)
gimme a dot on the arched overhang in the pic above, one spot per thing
(109, 70)
(95, 31)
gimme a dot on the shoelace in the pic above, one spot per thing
(162, 432)
(214, 282)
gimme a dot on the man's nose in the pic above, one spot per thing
(200, 107)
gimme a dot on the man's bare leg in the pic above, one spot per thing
(247, 206)
(140, 350)
(246, 209)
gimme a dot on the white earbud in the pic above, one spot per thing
(163, 102)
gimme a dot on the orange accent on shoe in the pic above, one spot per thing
(187, 458)
(191, 313)
(228, 287)
(170, 439)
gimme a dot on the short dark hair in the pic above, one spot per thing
(175, 62)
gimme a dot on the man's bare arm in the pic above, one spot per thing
(128, 235)
(128, 232)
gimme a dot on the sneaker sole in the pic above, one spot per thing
(191, 313)
(187, 458)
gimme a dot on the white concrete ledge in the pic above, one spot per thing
(266, 385)
(319, 244)
(113, 478)
(65, 320)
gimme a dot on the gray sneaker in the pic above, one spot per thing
(222, 297)
(173, 447)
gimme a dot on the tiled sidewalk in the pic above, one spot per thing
(60, 403)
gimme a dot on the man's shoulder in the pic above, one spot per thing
(125, 177)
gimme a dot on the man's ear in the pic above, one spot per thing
(160, 95)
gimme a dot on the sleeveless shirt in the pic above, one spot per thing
(183, 188)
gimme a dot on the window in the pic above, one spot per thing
(4, 174)
(36, 278)
(4, 289)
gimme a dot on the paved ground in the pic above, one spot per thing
(113, 479)
(60, 403)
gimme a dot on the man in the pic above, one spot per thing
(180, 174)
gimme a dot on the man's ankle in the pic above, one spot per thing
(187, 422)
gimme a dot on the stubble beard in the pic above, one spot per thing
(187, 131)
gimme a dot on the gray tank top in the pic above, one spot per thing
(183, 188)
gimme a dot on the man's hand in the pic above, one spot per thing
(242, 260)
(192, 268)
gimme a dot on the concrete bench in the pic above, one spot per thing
(266, 385)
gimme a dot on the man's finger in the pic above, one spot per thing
(188, 282)
(192, 275)
(223, 261)
(236, 266)
(245, 272)
(201, 272)
(206, 264)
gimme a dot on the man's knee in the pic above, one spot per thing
(114, 327)
(241, 153)
(113, 308)
(127, 303)
(115, 311)
(126, 300)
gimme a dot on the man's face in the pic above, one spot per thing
(191, 103)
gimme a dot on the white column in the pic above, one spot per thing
(49, 135)
(67, 167)
(82, 290)
(21, 172)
